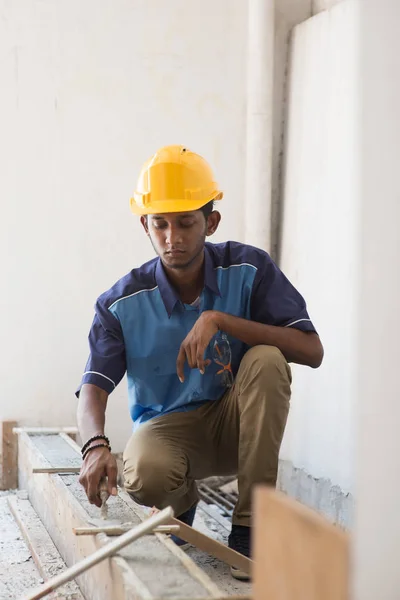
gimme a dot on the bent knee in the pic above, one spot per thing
(150, 479)
(264, 356)
(266, 360)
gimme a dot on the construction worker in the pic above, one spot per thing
(205, 333)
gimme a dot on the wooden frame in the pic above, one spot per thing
(298, 554)
(8, 456)
(118, 577)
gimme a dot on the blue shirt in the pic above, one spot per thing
(140, 323)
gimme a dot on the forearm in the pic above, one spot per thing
(297, 346)
(91, 411)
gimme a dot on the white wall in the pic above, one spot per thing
(89, 90)
(377, 527)
(319, 237)
(288, 13)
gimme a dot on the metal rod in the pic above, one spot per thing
(219, 497)
(100, 554)
(213, 501)
(230, 497)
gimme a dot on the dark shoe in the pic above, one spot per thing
(240, 540)
(187, 518)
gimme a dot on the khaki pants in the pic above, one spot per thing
(239, 434)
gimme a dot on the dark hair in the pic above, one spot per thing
(207, 209)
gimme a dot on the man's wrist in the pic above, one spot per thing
(96, 448)
(218, 318)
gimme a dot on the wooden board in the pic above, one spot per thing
(59, 470)
(298, 554)
(62, 506)
(8, 456)
(44, 553)
(213, 547)
(73, 431)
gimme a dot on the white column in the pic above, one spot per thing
(377, 529)
(260, 74)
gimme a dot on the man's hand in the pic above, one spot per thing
(194, 345)
(97, 464)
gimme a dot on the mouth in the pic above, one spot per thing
(175, 252)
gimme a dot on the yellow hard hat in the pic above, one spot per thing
(174, 180)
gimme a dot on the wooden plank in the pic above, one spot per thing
(213, 547)
(298, 555)
(56, 470)
(45, 430)
(59, 512)
(62, 504)
(44, 553)
(8, 456)
(71, 440)
(113, 531)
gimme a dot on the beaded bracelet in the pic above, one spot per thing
(93, 447)
(92, 439)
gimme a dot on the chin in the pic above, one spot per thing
(174, 263)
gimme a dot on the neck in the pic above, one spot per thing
(189, 281)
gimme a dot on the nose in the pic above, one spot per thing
(173, 236)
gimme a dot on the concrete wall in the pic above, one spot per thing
(319, 248)
(88, 91)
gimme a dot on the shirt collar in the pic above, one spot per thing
(168, 293)
(210, 273)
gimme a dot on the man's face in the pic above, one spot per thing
(178, 238)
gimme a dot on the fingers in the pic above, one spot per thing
(93, 472)
(190, 350)
(92, 490)
(180, 363)
(112, 473)
(194, 354)
(201, 363)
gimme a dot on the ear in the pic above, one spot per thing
(143, 220)
(212, 222)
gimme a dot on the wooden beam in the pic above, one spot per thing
(45, 430)
(70, 438)
(56, 470)
(297, 553)
(62, 504)
(213, 547)
(44, 553)
(8, 456)
(112, 531)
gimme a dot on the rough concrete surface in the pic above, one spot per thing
(217, 571)
(317, 493)
(18, 572)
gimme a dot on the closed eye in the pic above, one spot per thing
(186, 225)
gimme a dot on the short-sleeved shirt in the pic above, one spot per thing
(140, 323)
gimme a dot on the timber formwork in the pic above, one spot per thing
(153, 567)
